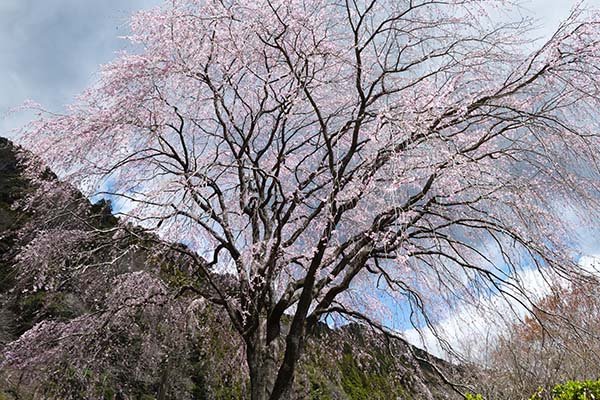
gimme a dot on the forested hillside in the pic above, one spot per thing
(94, 309)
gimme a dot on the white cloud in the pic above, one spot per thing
(591, 263)
(472, 328)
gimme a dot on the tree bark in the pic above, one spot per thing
(285, 376)
(262, 363)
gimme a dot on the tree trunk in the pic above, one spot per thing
(262, 361)
(263, 383)
(285, 375)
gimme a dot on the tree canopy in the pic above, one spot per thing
(338, 158)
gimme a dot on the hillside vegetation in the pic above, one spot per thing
(115, 314)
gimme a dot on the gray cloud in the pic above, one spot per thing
(50, 49)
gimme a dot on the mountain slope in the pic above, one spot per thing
(91, 308)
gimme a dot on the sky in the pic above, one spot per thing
(50, 51)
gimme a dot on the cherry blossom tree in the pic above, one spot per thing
(339, 158)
